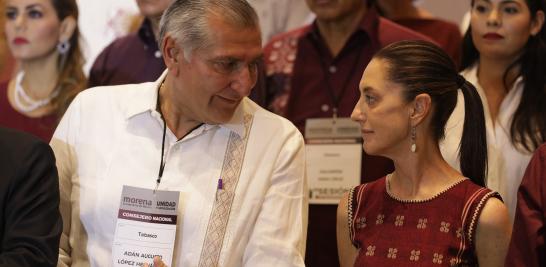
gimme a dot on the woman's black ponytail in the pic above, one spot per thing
(473, 146)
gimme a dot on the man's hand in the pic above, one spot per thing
(157, 263)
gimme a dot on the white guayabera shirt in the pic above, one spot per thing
(112, 136)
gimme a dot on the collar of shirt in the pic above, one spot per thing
(368, 26)
(146, 102)
(509, 104)
(146, 35)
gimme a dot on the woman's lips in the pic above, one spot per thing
(493, 36)
(20, 41)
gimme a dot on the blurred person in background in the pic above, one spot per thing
(134, 58)
(6, 60)
(408, 14)
(43, 38)
(504, 56)
(527, 247)
(280, 16)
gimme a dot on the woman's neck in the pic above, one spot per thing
(491, 73)
(423, 174)
(337, 32)
(41, 76)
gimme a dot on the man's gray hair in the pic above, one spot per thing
(187, 20)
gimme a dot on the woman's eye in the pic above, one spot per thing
(11, 14)
(369, 99)
(34, 14)
(480, 8)
(510, 10)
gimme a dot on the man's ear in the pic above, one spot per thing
(171, 53)
(421, 106)
(68, 26)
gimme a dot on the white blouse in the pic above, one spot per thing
(506, 163)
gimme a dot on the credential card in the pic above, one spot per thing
(146, 226)
(334, 154)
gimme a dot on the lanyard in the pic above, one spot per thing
(163, 160)
(162, 164)
(335, 98)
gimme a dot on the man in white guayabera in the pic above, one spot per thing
(238, 169)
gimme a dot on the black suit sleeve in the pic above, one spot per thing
(30, 217)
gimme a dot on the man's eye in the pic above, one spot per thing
(226, 66)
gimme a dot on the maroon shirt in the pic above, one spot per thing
(298, 68)
(394, 232)
(527, 247)
(446, 34)
(42, 127)
(134, 58)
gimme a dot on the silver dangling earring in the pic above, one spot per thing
(413, 144)
(63, 47)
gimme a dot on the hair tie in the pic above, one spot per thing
(460, 80)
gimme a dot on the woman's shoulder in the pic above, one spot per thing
(374, 185)
(472, 191)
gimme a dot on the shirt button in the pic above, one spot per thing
(157, 54)
(325, 108)
(332, 69)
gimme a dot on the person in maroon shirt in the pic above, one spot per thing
(43, 38)
(308, 65)
(527, 247)
(444, 33)
(134, 58)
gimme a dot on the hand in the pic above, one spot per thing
(157, 263)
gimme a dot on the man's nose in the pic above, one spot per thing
(245, 79)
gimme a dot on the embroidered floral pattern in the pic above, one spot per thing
(453, 262)
(399, 220)
(360, 222)
(459, 233)
(444, 227)
(415, 255)
(370, 251)
(380, 219)
(392, 253)
(437, 258)
(422, 224)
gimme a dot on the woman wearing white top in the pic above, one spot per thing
(504, 56)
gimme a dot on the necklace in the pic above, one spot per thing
(31, 104)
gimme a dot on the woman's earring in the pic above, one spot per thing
(413, 147)
(63, 47)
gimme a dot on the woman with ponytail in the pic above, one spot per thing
(504, 56)
(43, 38)
(425, 213)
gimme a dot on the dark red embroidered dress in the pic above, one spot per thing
(436, 232)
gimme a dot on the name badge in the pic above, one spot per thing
(146, 226)
(334, 154)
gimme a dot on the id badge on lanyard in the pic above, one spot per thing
(146, 226)
(334, 154)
